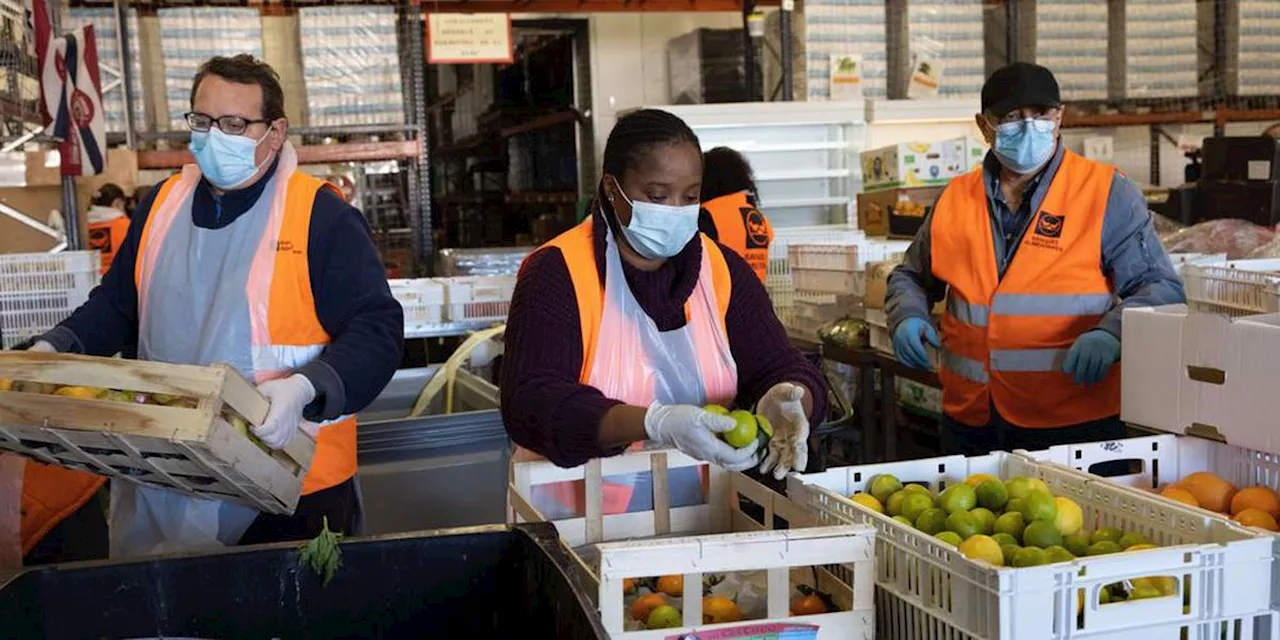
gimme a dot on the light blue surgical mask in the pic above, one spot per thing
(659, 231)
(226, 161)
(1024, 146)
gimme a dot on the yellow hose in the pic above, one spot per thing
(448, 372)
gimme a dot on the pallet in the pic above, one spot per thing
(194, 450)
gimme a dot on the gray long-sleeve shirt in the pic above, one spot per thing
(1140, 272)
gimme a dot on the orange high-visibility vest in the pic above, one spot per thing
(294, 333)
(107, 238)
(1005, 340)
(50, 494)
(741, 227)
(577, 245)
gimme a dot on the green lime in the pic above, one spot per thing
(1058, 554)
(1103, 548)
(1130, 539)
(893, 506)
(1139, 593)
(1018, 487)
(1039, 506)
(915, 504)
(1010, 523)
(1042, 534)
(904, 520)
(1077, 543)
(883, 486)
(1030, 557)
(918, 488)
(986, 520)
(958, 497)
(1009, 551)
(1014, 505)
(1106, 534)
(1004, 538)
(744, 432)
(716, 409)
(950, 537)
(992, 495)
(766, 427)
(932, 521)
(963, 524)
(1104, 595)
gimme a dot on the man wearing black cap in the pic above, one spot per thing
(1037, 256)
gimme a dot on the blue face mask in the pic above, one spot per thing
(1023, 147)
(225, 160)
(659, 231)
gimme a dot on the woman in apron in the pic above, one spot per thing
(623, 328)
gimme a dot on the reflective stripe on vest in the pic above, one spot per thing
(284, 328)
(1005, 339)
(743, 228)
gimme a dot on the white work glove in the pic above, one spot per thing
(42, 347)
(789, 447)
(288, 397)
(692, 430)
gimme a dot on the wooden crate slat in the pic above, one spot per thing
(224, 477)
(144, 463)
(111, 373)
(14, 443)
(90, 460)
(283, 483)
(242, 396)
(33, 410)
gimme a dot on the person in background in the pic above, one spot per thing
(108, 222)
(1038, 254)
(729, 214)
(622, 329)
(244, 259)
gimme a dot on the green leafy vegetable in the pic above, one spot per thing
(323, 553)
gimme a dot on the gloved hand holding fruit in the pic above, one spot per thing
(694, 430)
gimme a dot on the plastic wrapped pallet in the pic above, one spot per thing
(351, 65)
(1253, 61)
(190, 36)
(1153, 46)
(1236, 238)
(1071, 38)
(947, 34)
(845, 27)
(104, 27)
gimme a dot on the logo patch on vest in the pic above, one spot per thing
(1049, 225)
(757, 233)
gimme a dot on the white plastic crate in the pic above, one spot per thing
(479, 298)
(828, 281)
(928, 590)
(422, 300)
(1238, 288)
(39, 290)
(714, 537)
(827, 257)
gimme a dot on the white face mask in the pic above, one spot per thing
(659, 231)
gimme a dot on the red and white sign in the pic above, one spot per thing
(469, 38)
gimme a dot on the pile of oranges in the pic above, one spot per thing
(1256, 506)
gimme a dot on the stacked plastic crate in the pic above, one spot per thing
(39, 290)
(780, 283)
(190, 36)
(1071, 39)
(1160, 54)
(104, 28)
(351, 65)
(948, 33)
(845, 27)
(1253, 60)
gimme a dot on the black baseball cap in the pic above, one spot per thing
(1020, 84)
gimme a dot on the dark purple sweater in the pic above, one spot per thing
(544, 407)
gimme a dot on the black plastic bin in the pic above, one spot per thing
(492, 581)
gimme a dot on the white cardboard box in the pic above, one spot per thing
(914, 164)
(1186, 370)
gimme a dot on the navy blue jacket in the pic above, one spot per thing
(348, 281)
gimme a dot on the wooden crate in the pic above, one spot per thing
(711, 538)
(191, 450)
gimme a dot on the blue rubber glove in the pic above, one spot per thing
(908, 342)
(1091, 357)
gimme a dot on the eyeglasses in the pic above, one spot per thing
(230, 125)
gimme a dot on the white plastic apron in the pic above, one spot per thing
(637, 364)
(194, 308)
(12, 470)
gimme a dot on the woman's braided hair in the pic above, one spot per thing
(638, 132)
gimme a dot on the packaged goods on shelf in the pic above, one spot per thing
(351, 64)
(845, 27)
(948, 35)
(39, 290)
(1071, 39)
(1236, 238)
(1222, 570)
(191, 35)
(475, 299)
(104, 27)
(1252, 60)
(713, 542)
(915, 164)
(896, 212)
(1157, 52)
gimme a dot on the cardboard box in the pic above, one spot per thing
(1202, 373)
(914, 164)
(878, 282)
(896, 212)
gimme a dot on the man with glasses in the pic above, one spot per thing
(1037, 255)
(243, 258)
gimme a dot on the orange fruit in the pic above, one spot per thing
(719, 609)
(1261, 498)
(808, 606)
(628, 585)
(1256, 518)
(1213, 493)
(645, 604)
(1178, 494)
(671, 585)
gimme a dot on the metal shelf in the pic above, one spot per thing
(803, 175)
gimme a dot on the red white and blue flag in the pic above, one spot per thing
(72, 92)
